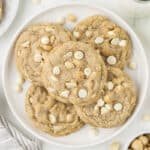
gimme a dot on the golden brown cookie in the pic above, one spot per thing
(115, 105)
(33, 44)
(49, 115)
(112, 42)
(74, 73)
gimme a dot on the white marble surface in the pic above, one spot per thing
(141, 27)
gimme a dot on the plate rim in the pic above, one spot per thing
(27, 21)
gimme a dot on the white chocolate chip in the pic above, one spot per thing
(115, 41)
(123, 43)
(38, 58)
(88, 33)
(99, 40)
(111, 33)
(93, 131)
(115, 146)
(19, 88)
(56, 70)
(69, 65)
(26, 44)
(68, 55)
(20, 80)
(54, 78)
(69, 118)
(87, 71)
(65, 93)
(146, 117)
(78, 55)
(110, 85)
(100, 102)
(45, 40)
(104, 110)
(82, 93)
(71, 18)
(111, 60)
(50, 89)
(76, 34)
(52, 118)
(132, 65)
(118, 106)
(71, 84)
(61, 20)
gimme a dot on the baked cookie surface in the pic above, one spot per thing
(112, 42)
(73, 73)
(33, 44)
(115, 105)
(49, 115)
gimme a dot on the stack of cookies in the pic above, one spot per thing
(77, 77)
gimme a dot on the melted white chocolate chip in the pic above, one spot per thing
(82, 93)
(87, 71)
(100, 102)
(78, 55)
(110, 85)
(111, 60)
(56, 70)
(52, 118)
(45, 40)
(65, 93)
(99, 40)
(118, 106)
(115, 41)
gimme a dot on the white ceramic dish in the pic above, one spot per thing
(82, 137)
(11, 8)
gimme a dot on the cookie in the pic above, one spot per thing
(115, 105)
(49, 115)
(1, 9)
(112, 42)
(73, 73)
(33, 44)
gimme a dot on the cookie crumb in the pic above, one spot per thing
(115, 146)
(71, 18)
(61, 20)
(132, 65)
(146, 117)
(93, 131)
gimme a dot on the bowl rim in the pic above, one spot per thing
(119, 19)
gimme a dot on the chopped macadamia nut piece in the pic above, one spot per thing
(65, 93)
(99, 40)
(45, 40)
(118, 107)
(115, 41)
(52, 119)
(82, 93)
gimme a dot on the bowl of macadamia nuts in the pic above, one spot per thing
(140, 142)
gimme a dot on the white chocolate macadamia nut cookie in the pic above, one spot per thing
(116, 104)
(81, 74)
(33, 44)
(107, 37)
(49, 115)
(142, 142)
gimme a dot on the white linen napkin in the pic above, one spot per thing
(12, 139)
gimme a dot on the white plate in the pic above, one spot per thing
(11, 7)
(82, 137)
